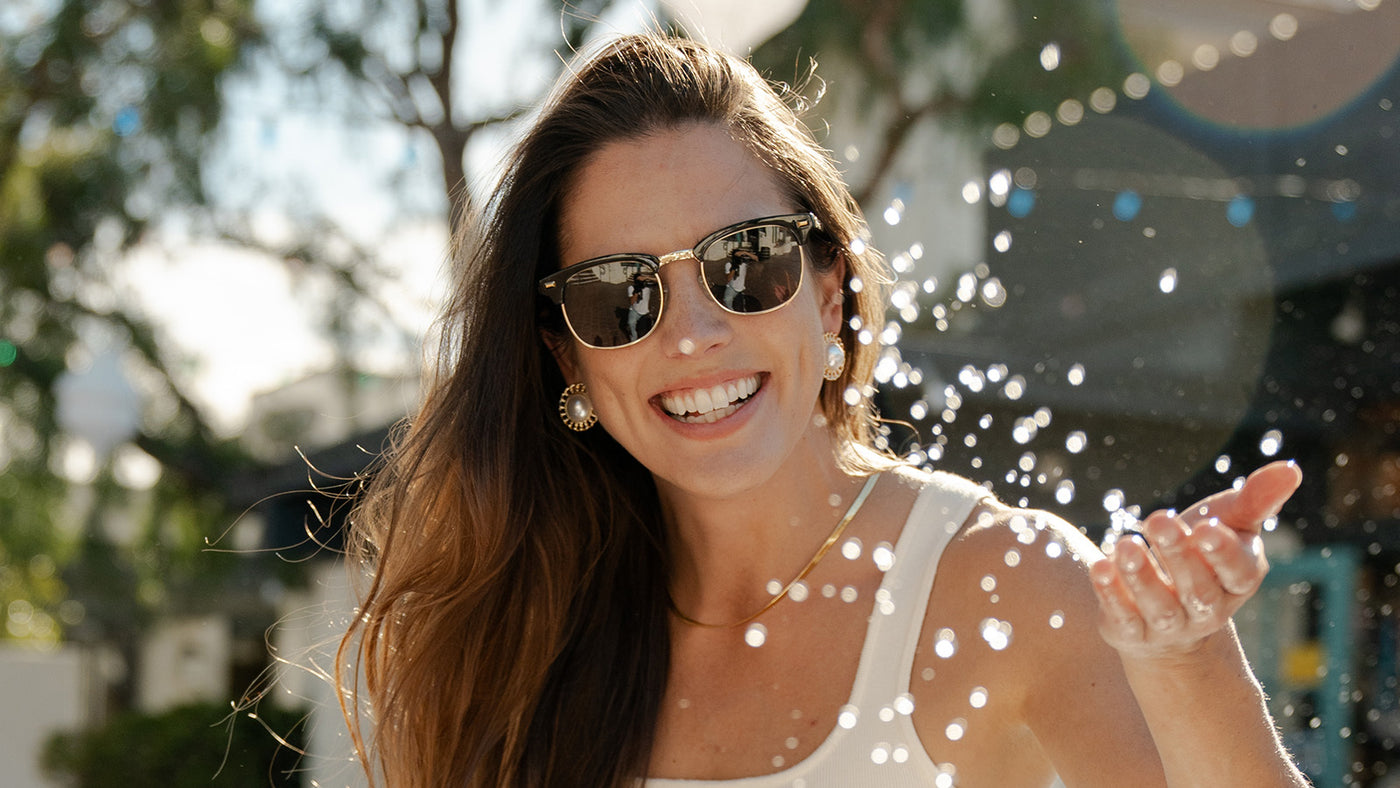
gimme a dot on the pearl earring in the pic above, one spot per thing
(835, 356)
(576, 409)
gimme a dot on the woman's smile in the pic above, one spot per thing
(710, 404)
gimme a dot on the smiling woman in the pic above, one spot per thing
(656, 596)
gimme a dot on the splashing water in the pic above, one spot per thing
(996, 632)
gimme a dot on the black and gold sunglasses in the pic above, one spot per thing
(748, 268)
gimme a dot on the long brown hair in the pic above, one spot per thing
(514, 631)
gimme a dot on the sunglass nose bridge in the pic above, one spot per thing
(672, 257)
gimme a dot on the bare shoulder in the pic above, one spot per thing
(1012, 622)
(1017, 580)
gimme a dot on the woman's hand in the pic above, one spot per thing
(1209, 561)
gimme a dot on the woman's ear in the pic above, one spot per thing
(831, 284)
(563, 351)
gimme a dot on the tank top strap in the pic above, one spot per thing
(882, 678)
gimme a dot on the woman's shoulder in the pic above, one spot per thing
(1007, 558)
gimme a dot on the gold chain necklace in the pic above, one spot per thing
(806, 570)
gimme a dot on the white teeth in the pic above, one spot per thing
(702, 406)
(703, 403)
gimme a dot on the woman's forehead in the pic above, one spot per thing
(664, 191)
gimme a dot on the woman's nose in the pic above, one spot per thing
(692, 323)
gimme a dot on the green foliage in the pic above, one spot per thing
(902, 62)
(187, 747)
(105, 113)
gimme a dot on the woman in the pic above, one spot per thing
(618, 545)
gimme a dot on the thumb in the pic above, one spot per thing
(1262, 496)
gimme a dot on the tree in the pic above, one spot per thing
(110, 124)
(957, 61)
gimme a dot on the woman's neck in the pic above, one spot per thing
(725, 551)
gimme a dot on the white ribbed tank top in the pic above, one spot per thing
(881, 748)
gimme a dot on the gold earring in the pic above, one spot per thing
(835, 356)
(576, 409)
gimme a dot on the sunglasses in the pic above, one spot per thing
(748, 268)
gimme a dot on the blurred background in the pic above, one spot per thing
(1142, 247)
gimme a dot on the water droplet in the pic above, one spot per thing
(1050, 56)
(900, 754)
(1057, 619)
(978, 698)
(828, 591)
(778, 761)
(1170, 73)
(956, 729)
(848, 716)
(993, 293)
(1070, 112)
(1054, 549)
(852, 394)
(943, 780)
(755, 635)
(1167, 283)
(904, 704)
(1015, 387)
(1136, 85)
(1012, 557)
(927, 674)
(1000, 182)
(1206, 57)
(884, 602)
(791, 743)
(1076, 441)
(687, 346)
(996, 632)
(1001, 242)
(886, 714)
(849, 594)
(1270, 444)
(1113, 500)
(988, 583)
(1064, 492)
(851, 548)
(1283, 27)
(972, 192)
(799, 591)
(1244, 43)
(1103, 100)
(945, 643)
(881, 753)
(883, 554)
(774, 587)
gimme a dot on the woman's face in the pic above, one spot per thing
(661, 193)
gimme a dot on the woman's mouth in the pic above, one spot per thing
(707, 405)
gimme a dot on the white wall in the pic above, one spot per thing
(41, 692)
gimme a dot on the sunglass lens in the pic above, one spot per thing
(754, 270)
(612, 304)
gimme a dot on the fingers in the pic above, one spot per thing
(1152, 594)
(1186, 588)
(1198, 587)
(1237, 560)
(1259, 498)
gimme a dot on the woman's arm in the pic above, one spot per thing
(1168, 616)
